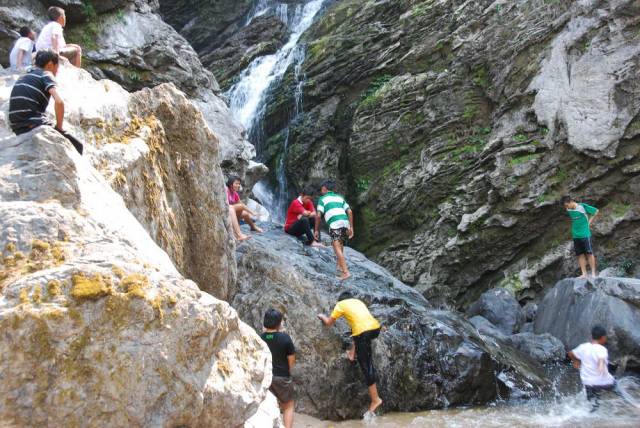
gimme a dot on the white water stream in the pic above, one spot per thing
(247, 97)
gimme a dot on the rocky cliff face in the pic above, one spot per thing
(126, 41)
(426, 358)
(98, 327)
(455, 126)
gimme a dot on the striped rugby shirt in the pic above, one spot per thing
(334, 208)
(29, 100)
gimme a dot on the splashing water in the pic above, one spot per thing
(561, 411)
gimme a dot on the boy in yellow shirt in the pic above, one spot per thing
(364, 328)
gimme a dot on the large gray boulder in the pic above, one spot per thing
(543, 348)
(573, 306)
(500, 307)
(426, 358)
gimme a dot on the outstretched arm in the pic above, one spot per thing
(575, 360)
(327, 321)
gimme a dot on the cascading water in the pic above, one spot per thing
(248, 97)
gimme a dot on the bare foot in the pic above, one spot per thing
(317, 244)
(374, 405)
(243, 237)
(257, 229)
(582, 277)
(344, 276)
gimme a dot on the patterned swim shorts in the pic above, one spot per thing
(341, 234)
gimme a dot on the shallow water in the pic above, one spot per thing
(562, 410)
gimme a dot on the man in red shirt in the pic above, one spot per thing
(300, 216)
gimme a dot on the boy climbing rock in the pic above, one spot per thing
(364, 329)
(592, 359)
(582, 215)
(339, 219)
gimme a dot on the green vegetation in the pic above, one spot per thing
(362, 185)
(523, 159)
(481, 78)
(421, 9)
(619, 209)
(371, 95)
(520, 138)
(470, 112)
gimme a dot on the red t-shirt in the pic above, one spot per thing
(295, 209)
(232, 196)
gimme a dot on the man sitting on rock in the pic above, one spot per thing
(582, 216)
(21, 55)
(283, 358)
(30, 97)
(300, 216)
(364, 328)
(52, 37)
(592, 359)
(339, 218)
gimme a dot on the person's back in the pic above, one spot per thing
(47, 38)
(357, 315)
(592, 372)
(29, 100)
(334, 207)
(281, 346)
(21, 53)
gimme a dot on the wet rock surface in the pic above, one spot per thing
(573, 306)
(426, 358)
(543, 348)
(453, 128)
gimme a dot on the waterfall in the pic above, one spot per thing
(247, 97)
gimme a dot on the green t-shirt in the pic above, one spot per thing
(580, 220)
(334, 208)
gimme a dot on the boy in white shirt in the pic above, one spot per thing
(21, 55)
(592, 358)
(52, 37)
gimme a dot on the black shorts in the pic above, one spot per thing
(582, 246)
(341, 234)
(364, 354)
(282, 388)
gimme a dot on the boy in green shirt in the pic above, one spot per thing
(339, 218)
(581, 217)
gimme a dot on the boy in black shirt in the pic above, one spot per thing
(30, 98)
(283, 357)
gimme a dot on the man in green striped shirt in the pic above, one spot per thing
(339, 218)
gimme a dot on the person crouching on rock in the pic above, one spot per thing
(242, 212)
(339, 218)
(30, 97)
(582, 216)
(283, 358)
(592, 359)
(364, 329)
(301, 215)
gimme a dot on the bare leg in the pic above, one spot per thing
(592, 264)
(375, 398)
(236, 226)
(351, 352)
(287, 413)
(252, 224)
(342, 263)
(582, 261)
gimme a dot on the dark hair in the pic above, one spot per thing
(55, 12)
(345, 295)
(307, 191)
(25, 31)
(597, 332)
(232, 180)
(565, 199)
(272, 319)
(329, 184)
(46, 56)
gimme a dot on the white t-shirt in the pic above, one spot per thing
(25, 45)
(45, 39)
(589, 354)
